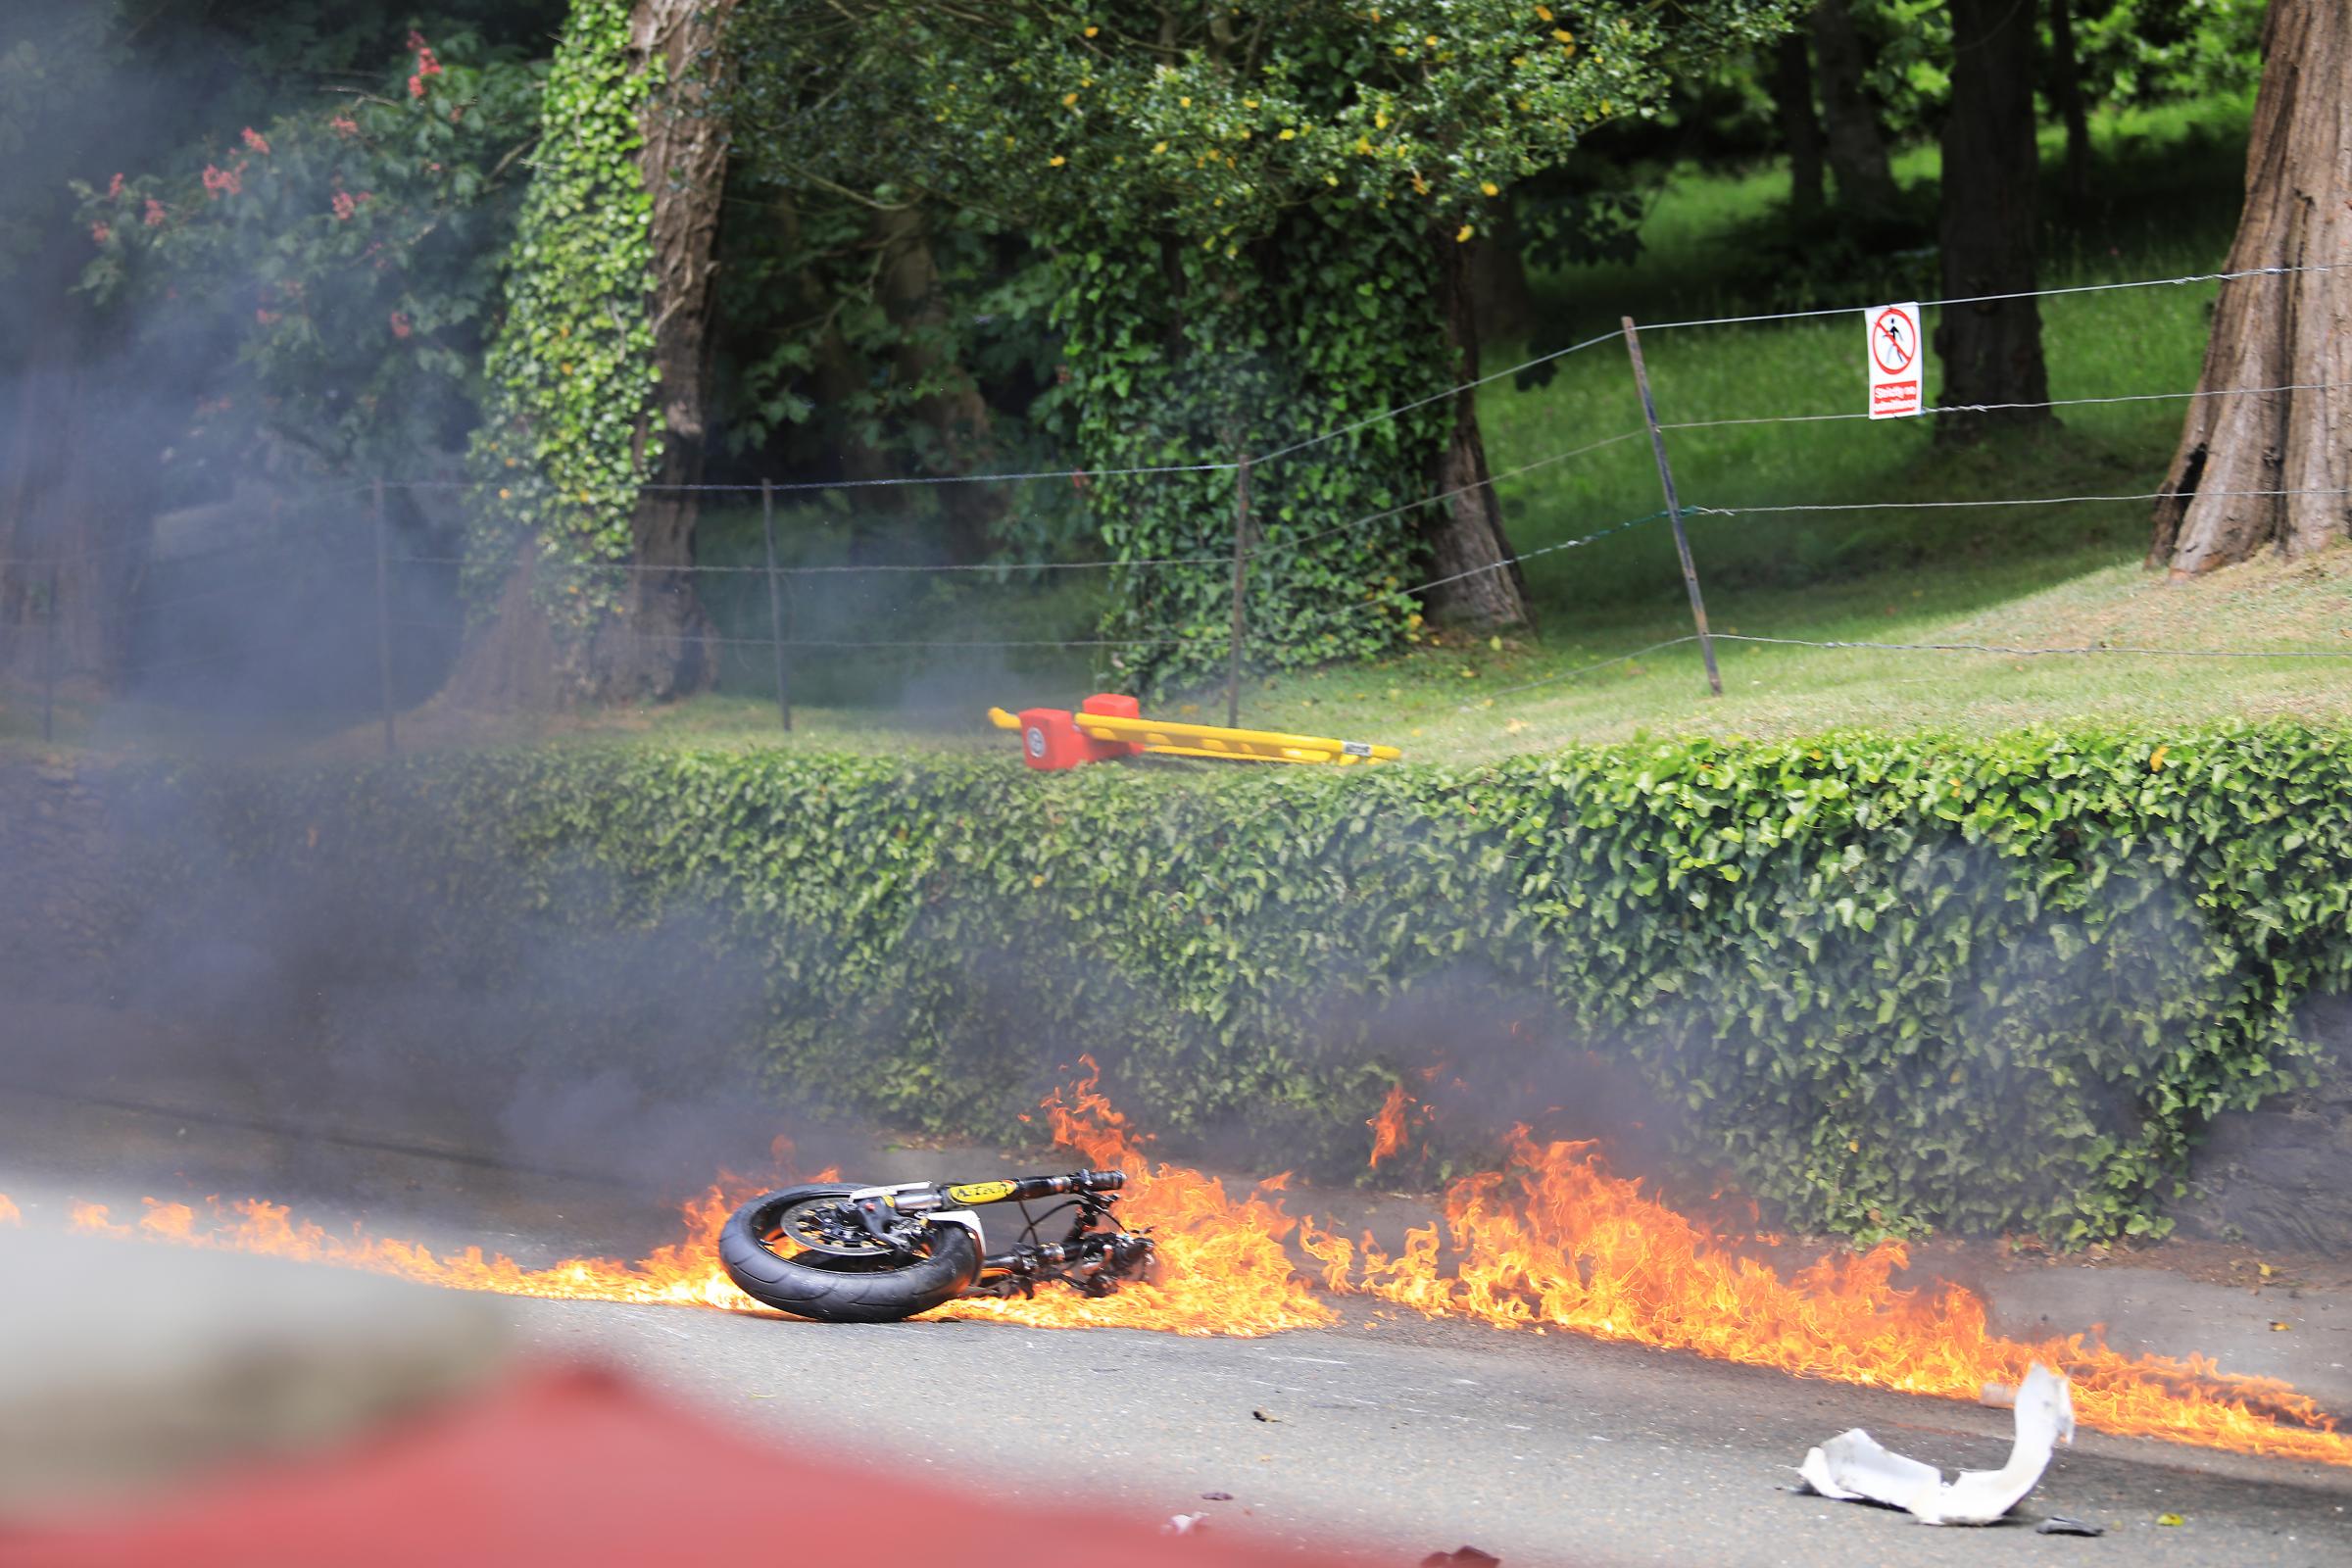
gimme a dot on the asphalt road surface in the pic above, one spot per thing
(1398, 1434)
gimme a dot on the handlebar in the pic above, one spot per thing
(967, 1193)
(1084, 1181)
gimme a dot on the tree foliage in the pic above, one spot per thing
(339, 263)
(1239, 205)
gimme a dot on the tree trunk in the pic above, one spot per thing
(654, 648)
(2066, 96)
(77, 502)
(1991, 352)
(1464, 530)
(514, 663)
(948, 398)
(2291, 330)
(1505, 306)
(1800, 128)
(1855, 146)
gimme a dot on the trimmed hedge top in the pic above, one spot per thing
(1890, 983)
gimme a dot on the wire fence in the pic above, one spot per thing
(375, 580)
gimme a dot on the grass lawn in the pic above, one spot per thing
(1471, 703)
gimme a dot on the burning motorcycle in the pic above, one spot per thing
(875, 1254)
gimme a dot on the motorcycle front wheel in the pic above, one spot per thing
(765, 1264)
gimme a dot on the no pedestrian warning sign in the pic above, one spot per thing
(1894, 368)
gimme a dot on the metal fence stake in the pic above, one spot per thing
(1241, 573)
(776, 602)
(383, 622)
(1674, 508)
(49, 662)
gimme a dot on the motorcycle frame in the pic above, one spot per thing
(1030, 1260)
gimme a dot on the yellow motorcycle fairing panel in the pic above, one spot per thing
(975, 1193)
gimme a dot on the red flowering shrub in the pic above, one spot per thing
(427, 65)
(355, 272)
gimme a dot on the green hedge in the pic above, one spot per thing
(1892, 984)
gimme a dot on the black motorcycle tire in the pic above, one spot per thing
(841, 1290)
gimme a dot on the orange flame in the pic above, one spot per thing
(1558, 1240)
(686, 1273)
(1389, 1125)
(8, 1212)
(1554, 1241)
(1222, 1267)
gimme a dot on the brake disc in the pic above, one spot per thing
(832, 1226)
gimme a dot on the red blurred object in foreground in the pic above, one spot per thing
(577, 1465)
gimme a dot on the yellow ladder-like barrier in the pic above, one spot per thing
(1212, 740)
(1117, 734)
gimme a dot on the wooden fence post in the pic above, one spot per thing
(1241, 573)
(49, 660)
(383, 624)
(775, 602)
(1674, 507)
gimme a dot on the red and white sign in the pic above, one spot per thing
(1895, 373)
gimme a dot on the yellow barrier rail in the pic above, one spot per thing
(1215, 739)
(1164, 738)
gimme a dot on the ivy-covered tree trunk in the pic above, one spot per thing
(600, 369)
(654, 648)
(1320, 327)
(1478, 582)
(2289, 330)
(1991, 352)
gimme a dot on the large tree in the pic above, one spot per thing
(1991, 350)
(2269, 469)
(654, 648)
(600, 371)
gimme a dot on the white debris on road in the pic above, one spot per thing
(1852, 1467)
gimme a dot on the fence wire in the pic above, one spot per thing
(292, 575)
(1994, 408)
(1990, 501)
